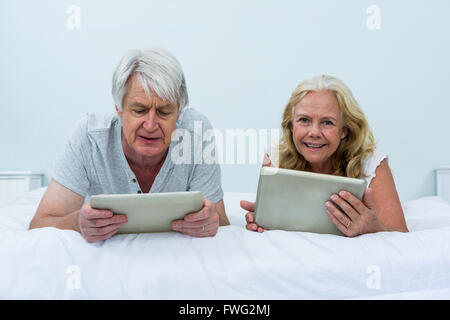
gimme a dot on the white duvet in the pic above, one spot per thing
(49, 263)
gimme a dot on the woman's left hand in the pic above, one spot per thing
(359, 217)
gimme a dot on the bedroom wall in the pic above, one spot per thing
(242, 59)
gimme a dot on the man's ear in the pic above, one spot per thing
(119, 113)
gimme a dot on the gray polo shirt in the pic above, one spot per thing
(93, 161)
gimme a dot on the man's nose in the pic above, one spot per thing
(150, 121)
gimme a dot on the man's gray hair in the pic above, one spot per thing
(156, 69)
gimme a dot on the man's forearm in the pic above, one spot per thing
(66, 222)
(223, 220)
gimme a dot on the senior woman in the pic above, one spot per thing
(131, 151)
(325, 131)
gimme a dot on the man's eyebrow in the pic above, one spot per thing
(171, 106)
(139, 104)
(142, 105)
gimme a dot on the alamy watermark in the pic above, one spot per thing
(373, 21)
(73, 281)
(213, 146)
(73, 21)
(374, 280)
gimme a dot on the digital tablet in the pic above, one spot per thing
(150, 212)
(295, 200)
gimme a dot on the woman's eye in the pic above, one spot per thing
(328, 123)
(303, 120)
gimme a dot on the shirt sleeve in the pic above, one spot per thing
(207, 180)
(371, 163)
(206, 175)
(70, 167)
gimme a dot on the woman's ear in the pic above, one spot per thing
(344, 133)
(290, 126)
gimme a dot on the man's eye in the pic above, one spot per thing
(163, 113)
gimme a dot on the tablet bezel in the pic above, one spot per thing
(280, 205)
(139, 208)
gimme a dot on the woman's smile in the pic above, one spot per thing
(314, 146)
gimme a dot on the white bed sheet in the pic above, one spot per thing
(49, 263)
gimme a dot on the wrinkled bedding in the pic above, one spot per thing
(49, 263)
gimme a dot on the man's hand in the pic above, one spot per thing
(203, 223)
(98, 225)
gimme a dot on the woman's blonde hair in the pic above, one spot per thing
(352, 150)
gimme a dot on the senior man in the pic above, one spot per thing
(130, 151)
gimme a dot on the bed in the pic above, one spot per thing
(49, 263)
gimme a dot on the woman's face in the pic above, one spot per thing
(317, 129)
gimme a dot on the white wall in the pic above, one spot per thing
(242, 59)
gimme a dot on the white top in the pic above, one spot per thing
(369, 164)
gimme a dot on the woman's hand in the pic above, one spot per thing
(250, 206)
(250, 216)
(358, 217)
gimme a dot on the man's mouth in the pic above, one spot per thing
(149, 139)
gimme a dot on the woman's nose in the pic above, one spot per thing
(314, 130)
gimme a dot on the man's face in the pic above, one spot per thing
(147, 124)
